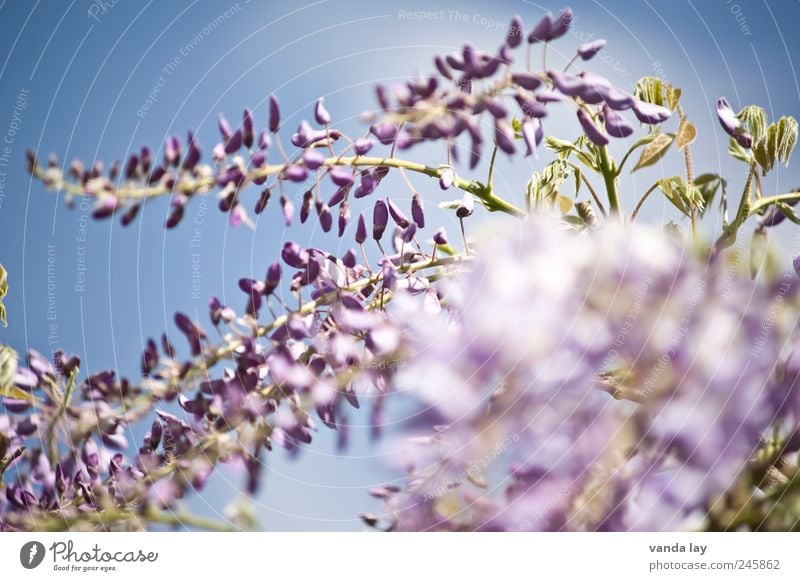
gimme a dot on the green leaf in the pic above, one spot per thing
(3, 292)
(708, 184)
(684, 197)
(654, 90)
(543, 186)
(8, 369)
(754, 119)
(650, 89)
(654, 150)
(673, 95)
(687, 133)
(566, 148)
(738, 152)
(516, 125)
(786, 129)
(780, 140)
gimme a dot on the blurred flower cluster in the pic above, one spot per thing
(615, 381)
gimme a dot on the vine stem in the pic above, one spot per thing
(639, 205)
(610, 179)
(490, 201)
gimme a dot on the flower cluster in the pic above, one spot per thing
(609, 382)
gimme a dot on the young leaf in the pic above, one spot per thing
(685, 198)
(673, 95)
(654, 90)
(650, 89)
(654, 150)
(738, 152)
(8, 369)
(543, 186)
(754, 119)
(565, 148)
(786, 138)
(686, 134)
(708, 184)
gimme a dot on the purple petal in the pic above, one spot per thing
(321, 113)
(274, 114)
(592, 131)
(616, 125)
(650, 113)
(589, 49)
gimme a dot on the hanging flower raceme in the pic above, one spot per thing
(614, 381)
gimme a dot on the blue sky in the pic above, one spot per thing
(75, 80)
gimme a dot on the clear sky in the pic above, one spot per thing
(75, 79)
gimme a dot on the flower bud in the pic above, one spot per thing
(274, 114)
(380, 218)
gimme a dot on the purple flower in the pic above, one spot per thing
(527, 80)
(361, 229)
(731, 124)
(446, 178)
(234, 143)
(541, 32)
(248, 129)
(294, 256)
(193, 332)
(589, 49)
(342, 176)
(224, 128)
(616, 125)
(325, 217)
(499, 371)
(533, 134)
(440, 237)
(274, 114)
(515, 32)
(380, 218)
(650, 113)
(504, 137)
(362, 146)
(417, 210)
(566, 83)
(313, 159)
(617, 99)
(396, 213)
(560, 25)
(467, 206)
(321, 113)
(273, 277)
(591, 130)
(288, 210)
